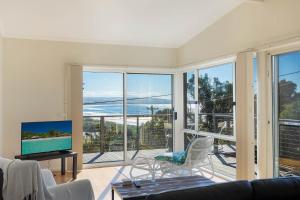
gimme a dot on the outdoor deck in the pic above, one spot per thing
(224, 163)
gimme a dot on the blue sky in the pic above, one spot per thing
(145, 85)
(289, 67)
(138, 85)
(44, 127)
(224, 72)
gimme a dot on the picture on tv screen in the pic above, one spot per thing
(41, 137)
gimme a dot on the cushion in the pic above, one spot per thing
(177, 158)
(237, 190)
(287, 188)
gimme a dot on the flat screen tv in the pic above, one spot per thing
(42, 137)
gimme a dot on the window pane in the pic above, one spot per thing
(189, 100)
(288, 67)
(149, 114)
(103, 130)
(216, 99)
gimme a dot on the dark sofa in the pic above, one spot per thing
(265, 189)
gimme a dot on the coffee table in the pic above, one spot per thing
(159, 185)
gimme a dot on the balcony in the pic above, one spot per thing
(289, 148)
(103, 137)
(149, 135)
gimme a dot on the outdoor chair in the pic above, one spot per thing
(221, 126)
(197, 156)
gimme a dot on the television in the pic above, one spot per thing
(42, 137)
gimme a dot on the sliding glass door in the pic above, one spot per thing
(149, 114)
(103, 117)
(286, 86)
(126, 115)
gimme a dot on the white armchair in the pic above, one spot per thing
(77, 190)
(197, 156)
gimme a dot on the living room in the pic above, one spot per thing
(153, 100)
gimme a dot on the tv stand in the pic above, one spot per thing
(54, 155)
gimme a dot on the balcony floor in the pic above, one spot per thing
(224, 163)
(92, 158)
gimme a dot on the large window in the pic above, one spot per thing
(149, 114)
(115, 105)
(213, 112)
(286, 69)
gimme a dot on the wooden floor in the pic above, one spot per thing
(101, 179)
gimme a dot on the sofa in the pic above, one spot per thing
(76, 190)
(287, 188)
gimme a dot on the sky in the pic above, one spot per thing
(289, 67)
(99, 84)
(44, 127)
(224, 72)
(145, 85)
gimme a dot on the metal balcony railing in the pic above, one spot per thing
(106, 133)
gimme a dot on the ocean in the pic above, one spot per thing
(117, 109)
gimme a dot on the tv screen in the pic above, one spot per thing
(41, 137)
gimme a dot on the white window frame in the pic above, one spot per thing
(195, 68)
(272, 134)
(127, 70)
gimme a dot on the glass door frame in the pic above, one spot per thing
(124, 70)
(274, 68)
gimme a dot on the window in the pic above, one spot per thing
(209, 110)
(286, 88)
(115, 105)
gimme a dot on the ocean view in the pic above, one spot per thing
(117, 109)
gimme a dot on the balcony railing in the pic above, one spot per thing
(106, 133)
(289, 147)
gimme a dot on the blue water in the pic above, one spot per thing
(117, 109)
(46, 145)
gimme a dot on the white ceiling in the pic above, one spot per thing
(163, 23)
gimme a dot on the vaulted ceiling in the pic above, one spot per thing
(162, 23)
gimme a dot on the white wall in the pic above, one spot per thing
(1, 95)
(248, 26)
(34, 77)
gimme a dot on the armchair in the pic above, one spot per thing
(77, 190)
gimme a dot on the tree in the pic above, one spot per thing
(291, 111)
(287, 93)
